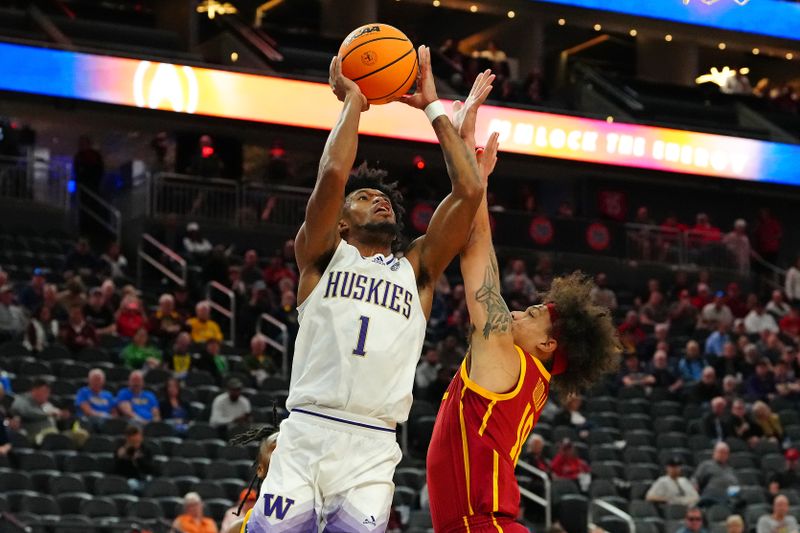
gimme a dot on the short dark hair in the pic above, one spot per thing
(132, 430)
(39, 382)
(364, 177)
(584, 331)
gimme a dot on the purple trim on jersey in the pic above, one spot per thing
(303, 523)
(343, 522)
(344, 421)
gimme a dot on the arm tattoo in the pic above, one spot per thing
(498, 317)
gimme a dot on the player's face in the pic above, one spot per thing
(369, 206)
(264, 459)
(531, 331)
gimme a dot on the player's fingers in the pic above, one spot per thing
(457, 105)
(332, 70)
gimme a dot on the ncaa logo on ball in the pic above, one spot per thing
(369, 57)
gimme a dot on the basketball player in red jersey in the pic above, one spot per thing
(497, 395)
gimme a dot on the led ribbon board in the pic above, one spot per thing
(233, 95)
(775, 18)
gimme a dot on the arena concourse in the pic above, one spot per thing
(148, 282)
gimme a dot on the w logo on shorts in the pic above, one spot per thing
(277, 507)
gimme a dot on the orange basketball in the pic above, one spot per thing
(381, 60)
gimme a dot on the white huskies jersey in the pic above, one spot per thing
(360, 337)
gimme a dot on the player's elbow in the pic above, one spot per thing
(470, 191)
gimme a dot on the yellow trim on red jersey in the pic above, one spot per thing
(496, 396)
(486, 417)
(494, 521)
(464, 445)
(495, 484)
(444, 396)
(513, 452)
(542, 369)
(244, 522)
(466, 523)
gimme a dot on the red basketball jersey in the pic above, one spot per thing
(476, 443)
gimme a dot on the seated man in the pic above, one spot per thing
(230, 407)
(93, 401)
(192, 520)
(134, 460)
(716, 474)
(202, 327)
(137, 404)
(98, 314)
(37, 415)
(673, 488)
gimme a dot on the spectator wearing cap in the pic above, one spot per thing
(13, 321)
(31, 296)
(42, 331)
(130, 317)
(165, 323)
(691, 364)
(715, 473)
(99, 314)
(779, 521)
(789, 477)
(77, 333)
(194, 244)
(777, 306)
(673, 487)
(692, 522)
(758, 320)
(715, 343)
(230, 407)
(792, 283)
(139, 353)
(761, 385)
(566, 464)
(716, 424)
(201, 327)
(715, 314)
(93, 401)
(135, 402)
(134, 459)
(601, 295)
(192, 520)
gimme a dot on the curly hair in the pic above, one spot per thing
(364, 177)
(585, 332)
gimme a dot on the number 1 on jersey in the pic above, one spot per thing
(362, 337)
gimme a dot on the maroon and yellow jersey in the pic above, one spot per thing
(476, 443)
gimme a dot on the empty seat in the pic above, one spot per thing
(221, 470)
(145, 509)
(772, 462)
(190, 450)
(405, 496)
(671, 440)
(57, 441)
(208, 490)
(202, 431)
(71, 502)
(178, 467)
(233, 453)
(669, 423)
(100, 444)
(111, 485)
(40, 505)
(216, 507)
(66, 483)
(604, 452)
(14, 481)
(612, 524)
(607, 469)
(161, 487)
(159, 429)
(602, 487)
(99, 508)
(38, 461)
(634, 421)
(642, 509)
(420, 520)
(170, 506)
(675, 511)
(410, 477)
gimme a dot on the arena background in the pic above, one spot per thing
(654, 145)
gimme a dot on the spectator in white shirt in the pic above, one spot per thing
(517, 281)
(673, 488)
(738, 244)
(230, 407)
(777, 307)
(194, 243)
(428, 368)
(715, 313)
(758, 320)
(780, 521)
(792, 285)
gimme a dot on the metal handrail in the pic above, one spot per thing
(115, 226)
(283, 346)
(535, 498)
(229, 313)
(196, 179)
(158, 265)
(613, 510)
(609, 87)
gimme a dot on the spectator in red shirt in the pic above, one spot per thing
(130, 317)
(631, 328)
(277, 270)
(703, 297)
(735, 301)
(667, 240)
(790, 324)
(566, 464)
(703, 232)
(534, 453)
(768, 234)
(77, 333)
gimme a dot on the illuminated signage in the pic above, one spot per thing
(235, 95)
(776, 18)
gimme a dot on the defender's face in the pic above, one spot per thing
(531, 328)
(368, 206)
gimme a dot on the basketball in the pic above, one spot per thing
(381, 60)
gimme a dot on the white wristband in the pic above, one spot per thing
(434, 109)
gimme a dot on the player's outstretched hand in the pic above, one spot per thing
(487, 157)
(426, 88)
(465, 114)
(342, 86)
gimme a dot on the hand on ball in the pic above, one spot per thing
(426, 88)
(343, 86)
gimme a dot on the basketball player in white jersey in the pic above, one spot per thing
(362, 315)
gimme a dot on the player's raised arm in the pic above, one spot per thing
(450, 224)
(319, 234)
